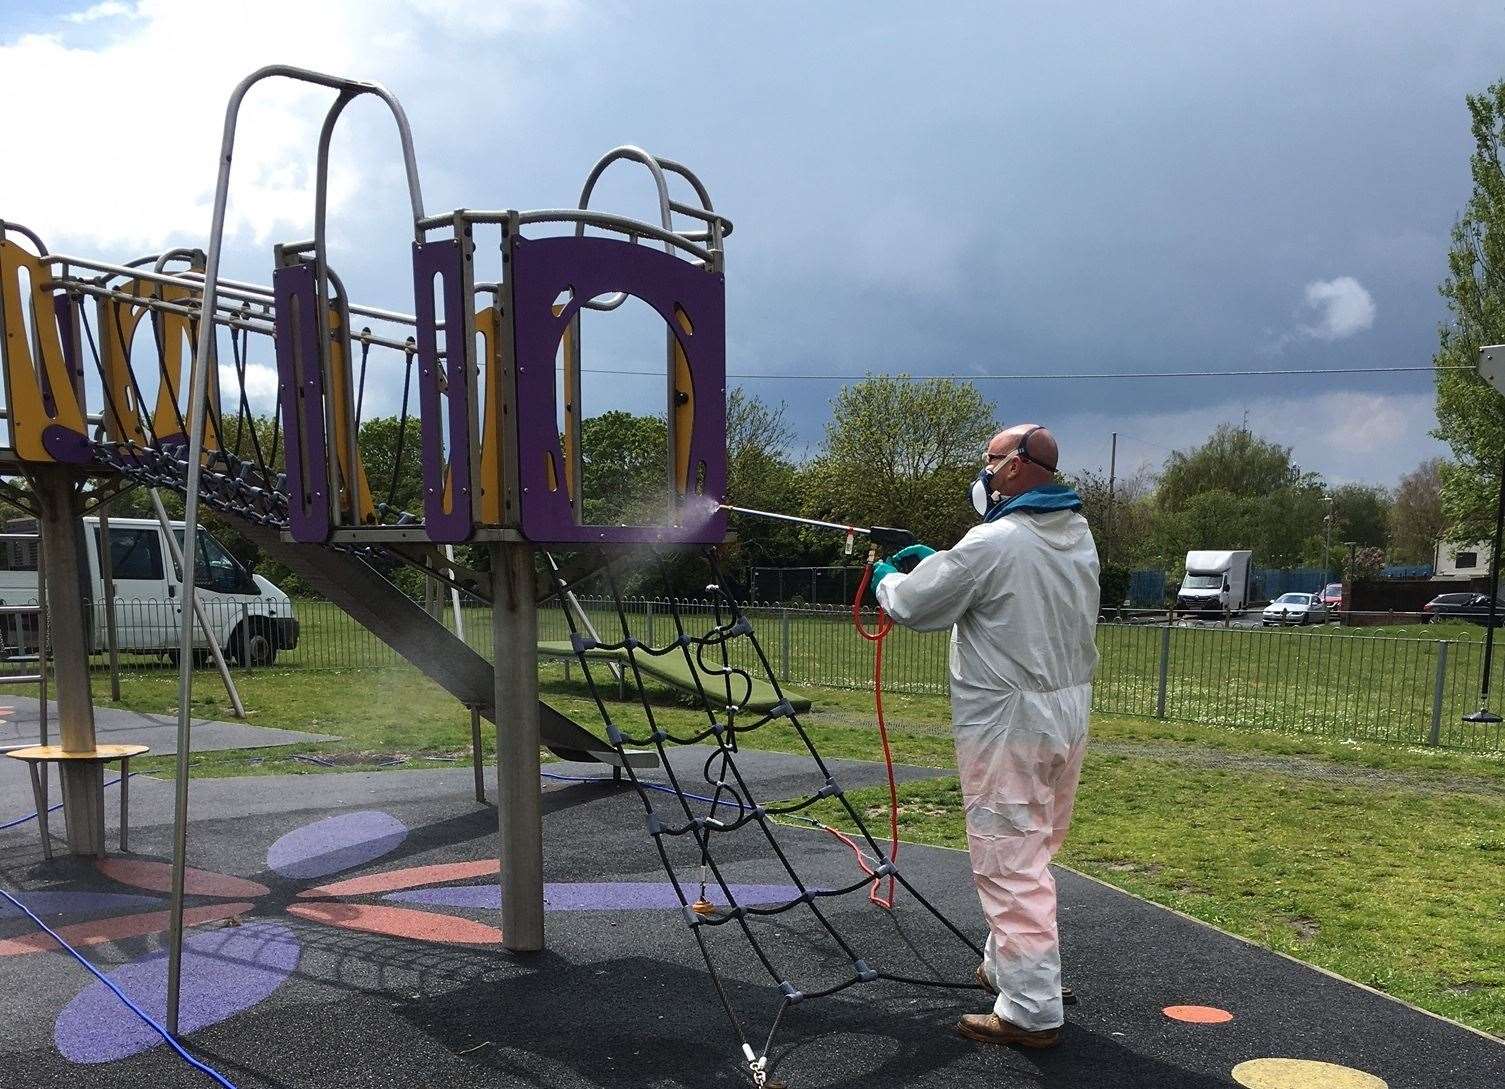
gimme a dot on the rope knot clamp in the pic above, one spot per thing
(582, 643)
(659, 734)
(614, 735)
(791, 995)
(887, 869)
(691, 918)
(864, 973)
(683, 641)
(782, 709)
(743, 626)
(831, 790)
(632, 643)
(655, 826)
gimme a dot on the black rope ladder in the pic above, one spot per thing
(732, 803)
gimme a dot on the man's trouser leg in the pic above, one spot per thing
(1019, 783)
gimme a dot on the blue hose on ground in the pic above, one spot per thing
(137, 1010)
(52, 808)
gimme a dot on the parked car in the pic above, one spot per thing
(1332, 595)
(1295, 609)
(1463, 606)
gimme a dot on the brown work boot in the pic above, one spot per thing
(1068, 996)
(989, 1028)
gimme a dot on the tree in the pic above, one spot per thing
(1122, 535)
(902, 453)
(1238, 490)
(1470, 414)
(1233, 460)
(1416, 523)
(1361, 513)
(761, 475)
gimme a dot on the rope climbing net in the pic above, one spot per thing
(722, 692)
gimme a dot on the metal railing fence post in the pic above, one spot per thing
(1165, 661)
(1434, 736)
(784, 642)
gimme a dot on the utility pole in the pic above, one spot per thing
(1327, 552)
(1108, 520)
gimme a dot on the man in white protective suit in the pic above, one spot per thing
(1020, 593)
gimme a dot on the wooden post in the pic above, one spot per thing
(514, 626)
(61, 529)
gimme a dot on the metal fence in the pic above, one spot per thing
(1365, 684)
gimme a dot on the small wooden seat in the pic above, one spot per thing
(37, 757)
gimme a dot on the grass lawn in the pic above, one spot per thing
(1382, 862)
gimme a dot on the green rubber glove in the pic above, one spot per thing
(918, 551)
(881, 570)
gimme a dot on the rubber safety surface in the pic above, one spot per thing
(347, 937)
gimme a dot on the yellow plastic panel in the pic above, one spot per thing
(488, 324)
(28, 413)
(339, 375)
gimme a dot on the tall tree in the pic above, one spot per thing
(902, 453)
(1237, 490)
(761, 474)
(1416, 522)
(1234, 460)
(1470, 414)
(1122, 533)
(1361, 513)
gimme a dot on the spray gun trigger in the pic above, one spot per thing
(890, 540)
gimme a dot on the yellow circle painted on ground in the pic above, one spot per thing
(1302, 1074)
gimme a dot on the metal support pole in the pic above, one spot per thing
(82, 780)
(1483, 714)
(1165, 662)
(107, 571)
(475, 753)
(1438, 684)
(784, 644)
(454, 595)
(197, 607)
(514, 625)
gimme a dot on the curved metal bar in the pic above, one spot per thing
(608, 221)
(666, 215)
(36, 239)
(198, 386)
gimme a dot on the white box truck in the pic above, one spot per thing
(249, 617)
(1215, 582)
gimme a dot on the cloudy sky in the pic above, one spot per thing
(981, 189)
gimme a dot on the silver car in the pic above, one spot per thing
(1295, 609)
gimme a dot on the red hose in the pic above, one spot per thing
(876, 637)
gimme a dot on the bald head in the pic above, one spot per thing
(1031, 466)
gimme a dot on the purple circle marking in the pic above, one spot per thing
(50, 905)
(594, 895)
(336, 843)
(225, 972)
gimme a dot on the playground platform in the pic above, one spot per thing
(304, 977)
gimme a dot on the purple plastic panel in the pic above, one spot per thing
(444, 259)
(542, 268)
(307, 451)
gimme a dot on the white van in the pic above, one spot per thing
(249, 617)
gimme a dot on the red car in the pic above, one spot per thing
(1332, 595)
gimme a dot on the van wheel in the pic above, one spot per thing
(251, 644)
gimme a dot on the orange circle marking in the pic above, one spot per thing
(1198, 1015)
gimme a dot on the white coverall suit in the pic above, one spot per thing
(1022, 594)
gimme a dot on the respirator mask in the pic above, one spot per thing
(982, 492)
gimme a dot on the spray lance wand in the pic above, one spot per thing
(888, 540)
